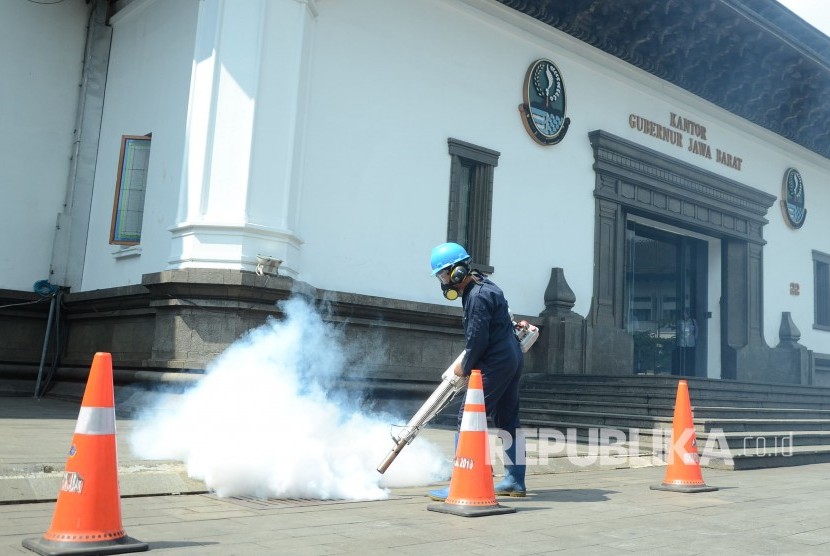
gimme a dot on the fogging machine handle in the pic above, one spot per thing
(440, 398)
(526, 334)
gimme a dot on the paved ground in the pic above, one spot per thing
(772, 511)
(36, 436)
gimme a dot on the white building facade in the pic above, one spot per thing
(346, 138)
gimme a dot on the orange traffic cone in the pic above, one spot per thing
(683, 471)
(471, 486)
(87, 518)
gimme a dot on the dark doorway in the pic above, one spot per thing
(665, 300)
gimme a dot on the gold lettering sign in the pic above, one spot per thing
(682, 132)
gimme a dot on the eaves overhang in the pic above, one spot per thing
(754, 58)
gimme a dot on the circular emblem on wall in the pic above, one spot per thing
(543, 109)
(792, 199)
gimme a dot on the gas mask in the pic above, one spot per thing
(449, 292)
(447, 284)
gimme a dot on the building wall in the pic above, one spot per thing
(383, 85)
(386, 149)
(42, 55)
(147, 91)
(388, 152)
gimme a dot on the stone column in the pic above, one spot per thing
(238, 195)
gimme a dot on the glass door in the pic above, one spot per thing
(664, 293)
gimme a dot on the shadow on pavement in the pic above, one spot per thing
(568, 495)
(177, 544)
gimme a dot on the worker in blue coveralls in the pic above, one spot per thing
(491, 347)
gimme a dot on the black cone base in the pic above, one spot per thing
(683, 488)
(470, 511)
(55, 548)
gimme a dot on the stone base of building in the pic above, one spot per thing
(181, 320)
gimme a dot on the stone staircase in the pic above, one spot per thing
(737, 425)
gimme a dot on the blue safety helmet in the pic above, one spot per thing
(446, 255)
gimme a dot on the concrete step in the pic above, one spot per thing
(764, 425)
(42, 482)
(542, 417)
(644, 396)
(820, 400)
(663, 410)
(668, 381)
(546, 417)
(740, 441)
(771, 457)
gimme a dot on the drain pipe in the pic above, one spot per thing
(72, 225)
(45, 344)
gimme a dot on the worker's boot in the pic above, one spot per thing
(440, 494)
(513, 483)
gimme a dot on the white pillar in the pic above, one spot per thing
(240, 177)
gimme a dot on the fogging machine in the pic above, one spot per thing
(526, 334)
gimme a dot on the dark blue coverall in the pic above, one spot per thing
(492, 348)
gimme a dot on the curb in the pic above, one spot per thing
(30, 486)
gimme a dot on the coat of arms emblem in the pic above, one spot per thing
(792, 199)
(543, 109)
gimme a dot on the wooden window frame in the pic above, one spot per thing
(481, 162)
(821, 291)
(125, 140)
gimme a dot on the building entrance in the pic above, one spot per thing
(665, 300)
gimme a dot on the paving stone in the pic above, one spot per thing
(599, 511)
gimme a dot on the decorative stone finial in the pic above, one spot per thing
(788, 332)
(559, 297)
